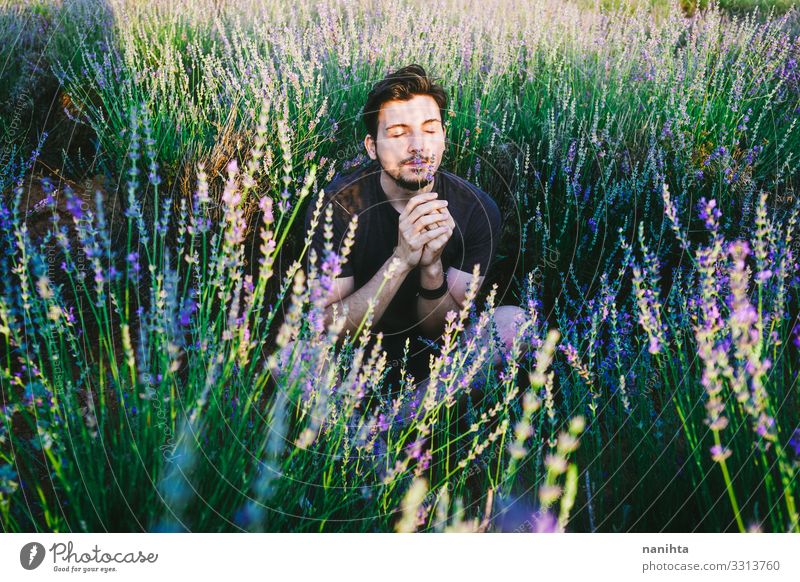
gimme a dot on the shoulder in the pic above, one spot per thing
(348, 194)
(466, 195)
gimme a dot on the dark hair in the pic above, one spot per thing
(401, 85)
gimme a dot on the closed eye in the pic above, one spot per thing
(403, 133)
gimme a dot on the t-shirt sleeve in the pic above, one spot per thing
(340, 223)
(481, 237)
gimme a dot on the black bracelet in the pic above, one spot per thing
(433, 293)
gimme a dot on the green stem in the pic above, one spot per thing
(729, 486)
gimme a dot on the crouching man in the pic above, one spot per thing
(434, 224)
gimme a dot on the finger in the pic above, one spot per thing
(441, 239)
(426, 208)
(437, 244)
(449, 220)
(434, 233)
(417, 200)
(445, 236)
(437, 212)
(425, 222)
(422, 208)
(419, 240)
(411, 226)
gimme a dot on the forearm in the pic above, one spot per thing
(355, 306)
(432, 313)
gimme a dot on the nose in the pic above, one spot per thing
(416, 143)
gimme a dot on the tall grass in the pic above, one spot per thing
(571, 119)
(182, 400)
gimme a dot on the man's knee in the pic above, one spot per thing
(507, 321)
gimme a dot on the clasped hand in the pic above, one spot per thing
(424, 229)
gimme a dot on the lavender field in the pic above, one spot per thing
(164, 363)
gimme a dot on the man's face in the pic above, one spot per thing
(410, 141)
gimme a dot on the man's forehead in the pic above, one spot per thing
(419, 109)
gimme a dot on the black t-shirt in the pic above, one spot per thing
(474, 240)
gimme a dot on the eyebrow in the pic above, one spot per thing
(406, 125)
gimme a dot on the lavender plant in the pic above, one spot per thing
(166, 369)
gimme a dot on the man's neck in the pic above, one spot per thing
(398, 197)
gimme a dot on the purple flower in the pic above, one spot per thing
(739, 250)
(414, 450)
(383, 423)
(720, 453)
(425, 461)
(764, 425)
(794, 442)
(74, 206)
(573, 147)
(709, 212)
(189, 307)
(544, 522)
(152, 176)
(133, 264)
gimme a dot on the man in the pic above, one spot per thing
(436, 225)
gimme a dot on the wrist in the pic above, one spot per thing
(432, 276)
(403, 268)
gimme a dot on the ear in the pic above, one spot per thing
(369, 145)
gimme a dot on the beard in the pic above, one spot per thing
(411, 185)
